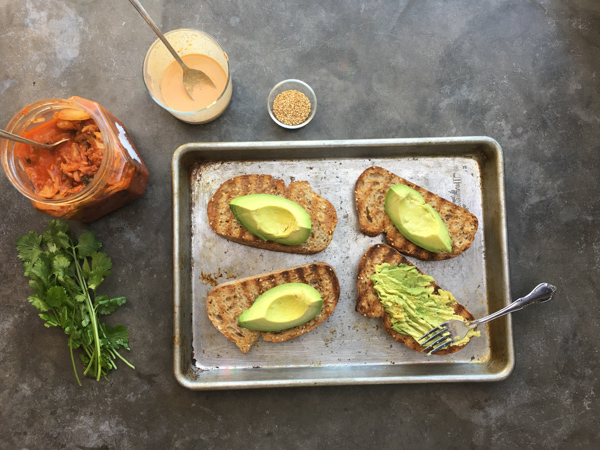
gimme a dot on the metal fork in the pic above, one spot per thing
(191, 77)
(22, 140)
(455, 330)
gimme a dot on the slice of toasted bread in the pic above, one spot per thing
(322, 213)
(227, 301)
(368, 303)
(369, 194)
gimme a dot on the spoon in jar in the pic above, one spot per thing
(22, 140)
(191, 77)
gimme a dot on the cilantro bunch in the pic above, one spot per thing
(65, 277)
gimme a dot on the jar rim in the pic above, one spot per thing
(24, 118)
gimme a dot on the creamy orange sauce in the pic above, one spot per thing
(174, 93)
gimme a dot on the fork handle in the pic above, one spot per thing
(541, 293)
(138, 6)
(22, 140)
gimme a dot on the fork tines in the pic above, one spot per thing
(443, 340)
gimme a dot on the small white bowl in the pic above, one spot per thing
(295, 85)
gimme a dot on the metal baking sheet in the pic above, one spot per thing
(348, 348)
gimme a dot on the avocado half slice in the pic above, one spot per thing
(285, 306)
(272, 218)
(416, 220)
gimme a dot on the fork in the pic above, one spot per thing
(455, 330)
(22, 140)
(191, 77)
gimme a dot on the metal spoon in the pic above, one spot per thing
(191, 77)
(22, 140)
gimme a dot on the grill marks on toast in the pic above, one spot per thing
(322, 213)
(368, 303)
(227, 301)
(369, 193)
(221, 219)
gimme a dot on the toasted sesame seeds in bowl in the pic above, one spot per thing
(292, 104)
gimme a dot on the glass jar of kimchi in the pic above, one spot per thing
(94, 172)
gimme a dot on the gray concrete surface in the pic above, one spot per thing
(525, 73)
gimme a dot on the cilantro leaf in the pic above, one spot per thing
(71, 285)
(38, 303)
(74, 342)
(116, 337)
(60, 265)
(63, 317)
(87, 336)
(100, 268)
(84, 359)
(50, 320)
(29, 249)
(85, 319)
(42, 268)
(105, 305)
(88, 244)
(56, 296)
(72, 329)
(37, 285)
(56, 236)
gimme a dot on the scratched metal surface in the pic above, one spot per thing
(346, 339)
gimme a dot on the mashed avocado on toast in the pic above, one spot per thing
(407, 296)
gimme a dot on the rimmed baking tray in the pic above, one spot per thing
(348, 348)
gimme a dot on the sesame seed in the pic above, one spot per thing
(291, 107)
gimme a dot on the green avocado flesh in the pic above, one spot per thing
(272, 218)
(407, 296)
(416, 220)
(282, 307)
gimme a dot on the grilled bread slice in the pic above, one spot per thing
(368, 303)
(227, 301)
(369, 194)
(322, 213)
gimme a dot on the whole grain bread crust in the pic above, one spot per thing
(368, 303)
(369, 193)
(227, 301)
(322, 213)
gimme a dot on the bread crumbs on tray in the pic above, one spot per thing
(291, 107)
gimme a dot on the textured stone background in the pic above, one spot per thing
(523, 72)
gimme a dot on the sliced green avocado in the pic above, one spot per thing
(272, 218)
(416, 220)
(282, 307)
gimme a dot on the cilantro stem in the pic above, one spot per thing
(90, 353)
(91, 311)
(89, 364)
(96, 337)
(73, 360)
(116, 353)
(87, 350)
(122, 359)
